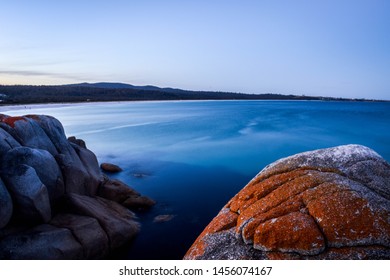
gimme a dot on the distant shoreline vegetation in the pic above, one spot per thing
(102, 92)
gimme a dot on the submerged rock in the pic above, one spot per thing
(325, 204)
(139, 175)
(55, 203)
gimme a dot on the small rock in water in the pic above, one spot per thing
(163, 218)
(139, 175)
(109, 167)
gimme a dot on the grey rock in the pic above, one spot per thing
(87, 232)
(30, 196)
(44, 242)
(28, 133)
(116, 220)
(225, 245)
(7, 142)
(6, 206)
(54, 130)
(44, 173)
(74, 174)
(44, 164)
(76, 177)
(91, 165)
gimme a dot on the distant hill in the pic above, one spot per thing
(92, 92)
(122, 85)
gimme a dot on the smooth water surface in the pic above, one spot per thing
(193, 156)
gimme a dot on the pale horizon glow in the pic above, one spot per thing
(320, 48)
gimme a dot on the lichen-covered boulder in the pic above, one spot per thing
(325, 204)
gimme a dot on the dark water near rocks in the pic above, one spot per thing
(192, 157)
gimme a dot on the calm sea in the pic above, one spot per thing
(192, 157)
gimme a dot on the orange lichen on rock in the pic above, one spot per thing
(258, 189)
(2, 117)
(249, 228)
(286, 194)
(348, 219)
(12, 120)
(295, 232)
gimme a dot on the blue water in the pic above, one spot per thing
(194, 156)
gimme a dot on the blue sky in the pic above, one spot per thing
(329, 48)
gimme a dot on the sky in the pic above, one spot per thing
(335, 48)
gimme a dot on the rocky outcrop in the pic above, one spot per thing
(325, 204)
(55, 203)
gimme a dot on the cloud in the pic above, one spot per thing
(42, 74)
(24, 73)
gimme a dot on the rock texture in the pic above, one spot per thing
(325, 204)
(55, 203)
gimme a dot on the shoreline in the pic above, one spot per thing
(17, 107)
